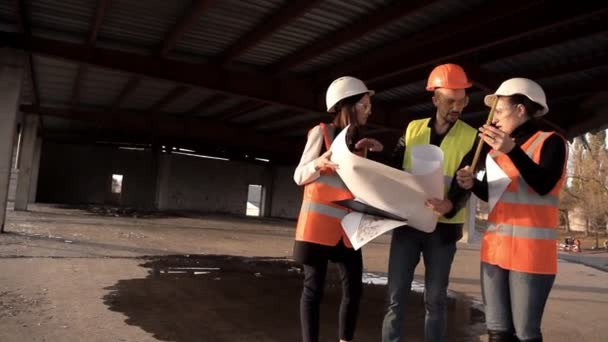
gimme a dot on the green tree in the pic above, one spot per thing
(588, 188)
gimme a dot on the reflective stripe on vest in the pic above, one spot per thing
(458, 141)
(320, 219)
(323, 209)
(523, 197)
(521, 233)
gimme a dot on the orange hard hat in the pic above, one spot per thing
(450, 76)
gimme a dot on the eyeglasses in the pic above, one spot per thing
(364, 106)
(451, 102)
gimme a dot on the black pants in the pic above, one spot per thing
(350, 265)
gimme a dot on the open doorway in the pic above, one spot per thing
(116, 184)
(116, 189)
(254, 200)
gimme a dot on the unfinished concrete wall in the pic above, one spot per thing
(209, 185)
(79, 174)
(287, 197)
(76, 174)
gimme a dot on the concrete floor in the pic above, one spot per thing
(60, 267)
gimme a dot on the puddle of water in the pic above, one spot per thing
(224, 298)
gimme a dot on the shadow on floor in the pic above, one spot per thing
(224, 298)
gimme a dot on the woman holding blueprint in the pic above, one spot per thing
(525, 171)
(319, 234)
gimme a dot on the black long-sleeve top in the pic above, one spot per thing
(542, 177)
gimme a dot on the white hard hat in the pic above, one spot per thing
(342, 88)
(522, 86)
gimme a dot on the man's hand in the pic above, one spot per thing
(464, 178)
(439, 207)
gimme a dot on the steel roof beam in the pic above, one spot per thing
(171, 96)
(348, 33)
(285, 15)
(190, 18)
(463, 30)
(293, 93)
(207, 103)
(448, 45)
(239, 110)
(129, 87)
(575, 28)
(23, 26)
(278, 116)
(166, 126)
(494, 81)
(100, 12)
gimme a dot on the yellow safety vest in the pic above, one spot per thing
(455, 145)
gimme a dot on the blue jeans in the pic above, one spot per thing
(514, 301)
(406, 246)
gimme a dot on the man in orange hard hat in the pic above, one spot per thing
(448, 82)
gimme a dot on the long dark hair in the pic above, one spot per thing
(346, 114)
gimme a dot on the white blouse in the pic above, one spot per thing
(305, 172)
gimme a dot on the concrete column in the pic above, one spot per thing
(26, 162)
(12, 184)
(11, 75)
(270, 174)
(162, 178)
(16, 148)
(35, 169)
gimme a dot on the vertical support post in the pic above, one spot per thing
(35, 169)
(26, 162)
(11, 76)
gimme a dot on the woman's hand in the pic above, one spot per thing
(324, 161)
(369, 144)
(497, 139)
(464, 178)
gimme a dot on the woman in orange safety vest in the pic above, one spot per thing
(519, 250)
(319, 234)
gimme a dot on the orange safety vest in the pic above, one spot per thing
(521, 234)
(320, 219)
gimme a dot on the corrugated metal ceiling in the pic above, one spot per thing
(223, 24)
(141, 23)
(142, 26)
(101, 86)
(393, 33)
(73, 16)
(55, 80)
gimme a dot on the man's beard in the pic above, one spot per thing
(452, 116)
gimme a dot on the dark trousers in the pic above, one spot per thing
(350, 266)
